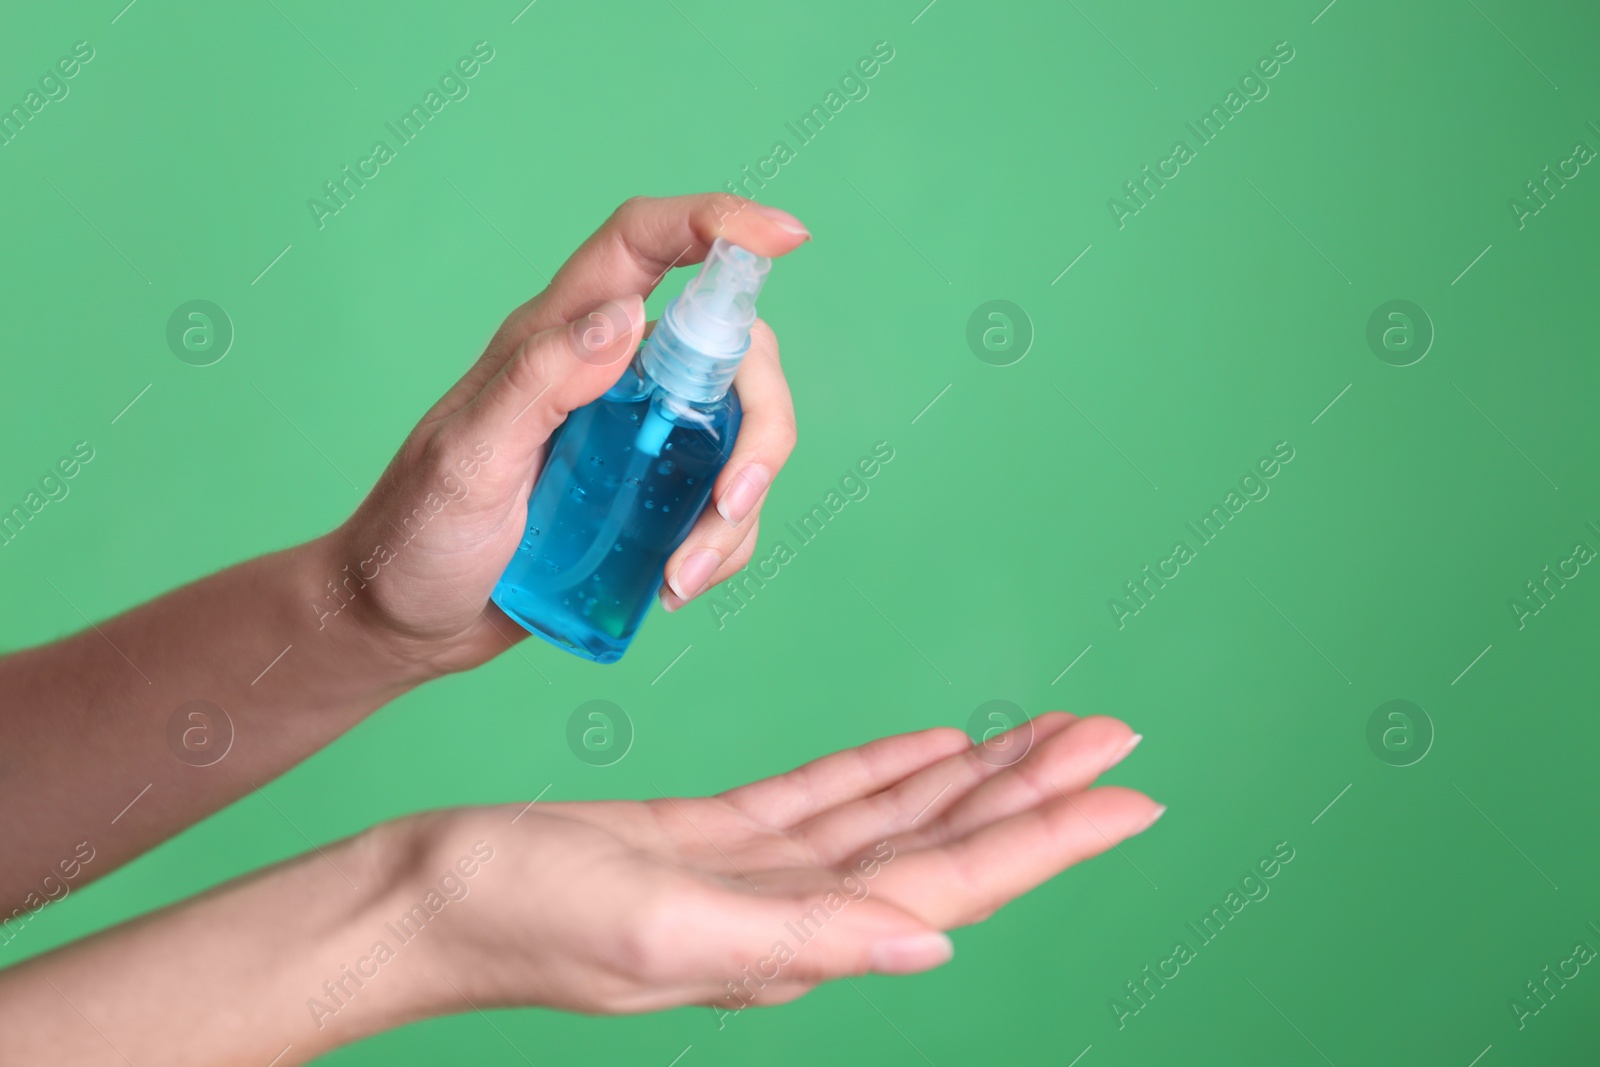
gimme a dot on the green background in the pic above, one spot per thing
(1178, 350)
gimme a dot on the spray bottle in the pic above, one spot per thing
(628, 474)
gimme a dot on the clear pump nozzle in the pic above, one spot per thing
(718, 307)
(704, 333)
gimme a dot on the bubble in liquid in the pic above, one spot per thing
(650, 503)
(665, 509)
(665, 467)
(634, 482)
(576, 492)
(597, 461)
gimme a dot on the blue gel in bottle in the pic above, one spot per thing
(628, 474)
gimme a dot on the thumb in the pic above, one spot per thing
(838, 936)
(786, 941)
(552, 373)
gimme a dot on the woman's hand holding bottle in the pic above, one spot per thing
(422, 553)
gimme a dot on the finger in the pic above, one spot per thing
(628, 256)
(840, 777)
(551, 374)
(958, 883)
(747, 995)
(766, 438)
(643, 239)
(842, 831)
(689, 574)
(766, 434)
(714, 942)
(782, 993)
(823, 936)
(1062, 765)
(740, 557)
(648, 236)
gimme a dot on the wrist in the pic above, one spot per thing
(375, 968)
(335, 604)
(442, 864)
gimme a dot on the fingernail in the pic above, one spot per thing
(744, 490)
(1162, 810)
(782, 218)
(1132, 743)
(670, 601)
(908, 955)
(693, 573)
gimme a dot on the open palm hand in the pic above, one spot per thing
(853, 863)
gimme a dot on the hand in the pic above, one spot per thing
(853, 863)
(422, 553)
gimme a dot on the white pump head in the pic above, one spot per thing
(718, 307)
(697, 345)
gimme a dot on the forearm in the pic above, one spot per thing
(234, 976)
(100, 741)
